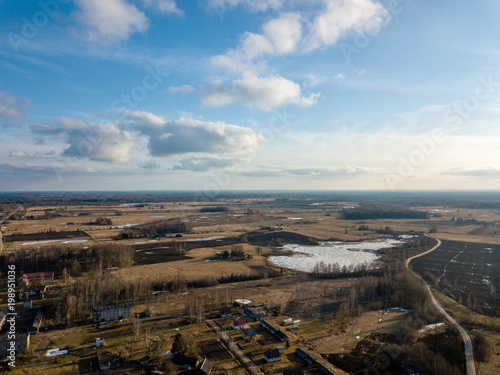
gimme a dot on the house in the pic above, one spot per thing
(272, 355)
(225, 312)
(275, 331)
(107, 362)
(251, 313)
(99, 342)
(37, 276)
(204, 368)
(185, 362)
(293, 371)
(21, 344)
(111, 312)
(302, 353)
(287, 321)
(249, 333)
(238, 323)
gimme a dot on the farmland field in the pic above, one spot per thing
(467, 271)
(318, 299)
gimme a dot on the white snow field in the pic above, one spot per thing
(342, 253)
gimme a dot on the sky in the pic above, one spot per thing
(211, 95)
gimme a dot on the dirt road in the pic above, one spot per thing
(242, 357)
(469, 352)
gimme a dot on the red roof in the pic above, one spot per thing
(239, 322)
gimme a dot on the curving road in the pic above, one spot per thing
(469, 352)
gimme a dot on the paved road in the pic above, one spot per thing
(469, 352)
(242, 357)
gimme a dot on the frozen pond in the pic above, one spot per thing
(342, 253)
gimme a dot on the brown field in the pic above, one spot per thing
(314, 302)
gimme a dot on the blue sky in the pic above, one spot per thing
(239, 94)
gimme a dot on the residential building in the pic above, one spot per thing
(249, 333)
(272, 355)
(238, 323)
(275, 331)
(204, 368)
(185, 362)
(111, 312)
(302, 353)
(21, 343)
(252, 314)
(225, 312)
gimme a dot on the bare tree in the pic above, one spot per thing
(136, 327)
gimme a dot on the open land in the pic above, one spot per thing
(214, 252)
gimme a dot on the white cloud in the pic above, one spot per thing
(314, 172)
(204, 164)
(342, 17)
(19, 154)
(164, 6)
(250, 5)
(187, 135)
(289, 33)
(312, 80)
(107, 143)
(486, 172)
(152, 165)
(10, 107)
(183, 90)
(264, 93)
(110, 20)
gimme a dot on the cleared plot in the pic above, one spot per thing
(318, 299)
(466, 271)
(214, 350)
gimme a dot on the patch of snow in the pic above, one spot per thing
(53, 352)
(431, 326)
(342, 253)
(38, 242)
(205, 238)
(127, 225)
